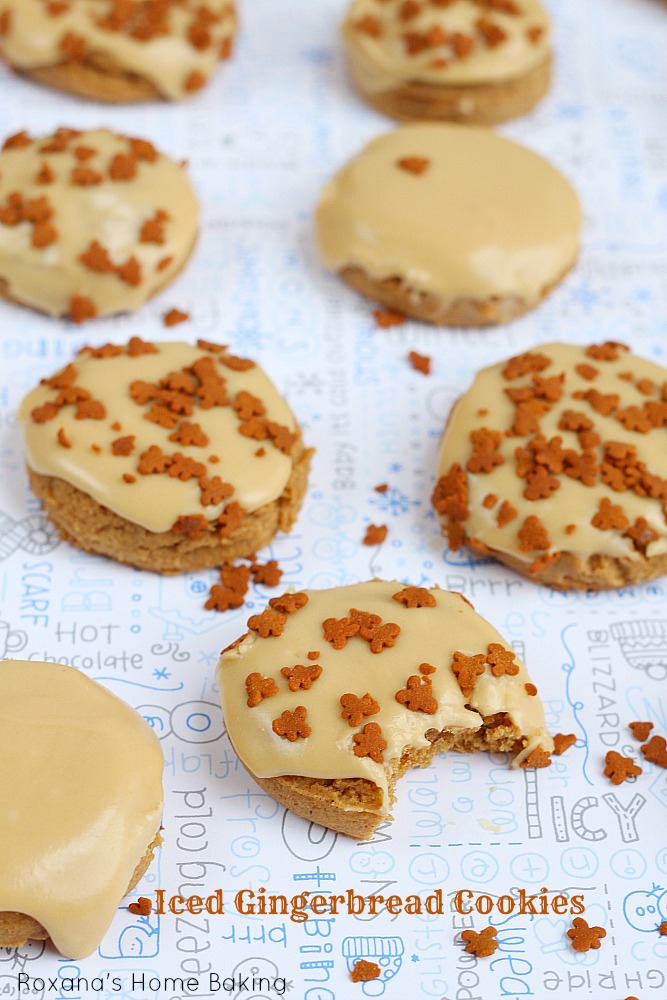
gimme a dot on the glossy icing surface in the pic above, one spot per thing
(80, 189)
(166, 45)
(81, 779)
(485, 217)
(427, 635)
(629, 389)
(463, 42)
(255, 470)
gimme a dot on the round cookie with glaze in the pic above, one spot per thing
(118, 52)
(332, 695)
(478, 62)
(449, 224)
(554, 463)
(81, 779)
(170, 457)
(91, 223)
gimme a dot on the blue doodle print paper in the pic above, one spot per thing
(261, 141)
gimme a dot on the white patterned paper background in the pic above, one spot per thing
(261, 140)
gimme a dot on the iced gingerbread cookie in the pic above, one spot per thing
(554, 463)
(81, 779)
(332, 695)
(472, 61)
(118, 50)
(450, 224)
(170, 457)
(91, 223)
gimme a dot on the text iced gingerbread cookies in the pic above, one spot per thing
(114, 51)
(169, 457)
(554, 462)
(332, 695)
(449, 224)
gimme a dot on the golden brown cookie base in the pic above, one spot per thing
(598, 572)
(469, 104)
(353, 805)
(94, 528)
(398, 296)
(98, 78)
(17, 928)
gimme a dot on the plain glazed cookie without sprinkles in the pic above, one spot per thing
(554, 462)
(91, 223)
(479, 62)
(169, 457)
(81, 779)
(333, 694)
(449, 224)
(118, 50)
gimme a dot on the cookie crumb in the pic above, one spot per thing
(175, 316)
(386, 318)
(375, 534)
(364, 971)
(142, 908)
(563, 742)
(420, 362)
(641, 730)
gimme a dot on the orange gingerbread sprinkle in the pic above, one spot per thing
(386, 318)
(268, 623)
(259, 687)
(415, 597)
(175, 316)
(301, 676)
(584, 937)
(641, 730)
(292, 725)
(467, 669)
(420, 362)
(417, 695)
(533, 535)
(375, 534)
(355, 709)
(380, 637)
(563, 742)
(369, 743)
(655, 751)
(501, 660)
(142, 908)
(414, 164)
(289, 603)
(537, 758)
(618, 768)
(268, 573)
(483, 944)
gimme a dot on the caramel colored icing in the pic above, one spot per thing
(606, 392)
(129, 210)
(230, 467)
(484, 217)
(81, 779)
(464, 42)
(170, 44)
(428, 635)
